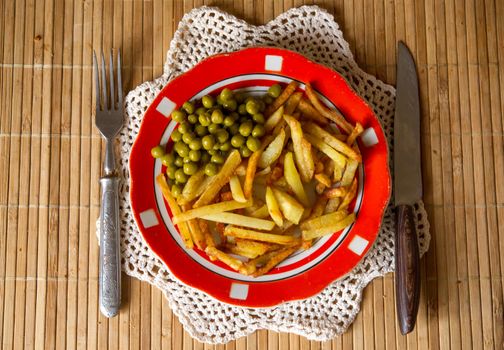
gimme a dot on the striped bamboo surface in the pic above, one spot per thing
(50, 158)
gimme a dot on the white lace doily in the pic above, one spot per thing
(312, 32)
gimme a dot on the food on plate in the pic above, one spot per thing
(250, 180)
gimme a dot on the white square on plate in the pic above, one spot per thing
(239, 291)
(166, 106)
(273, 63)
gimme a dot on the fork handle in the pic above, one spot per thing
(110, 261)
(109, 164)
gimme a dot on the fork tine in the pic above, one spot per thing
(104, 83)
(97, 81)
(119, 79)
(111, 77)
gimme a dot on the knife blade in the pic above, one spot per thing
(407, 188)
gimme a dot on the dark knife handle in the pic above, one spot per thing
(407, 269)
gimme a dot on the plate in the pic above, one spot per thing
(305, 273)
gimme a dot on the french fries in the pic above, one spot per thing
(349, 173)
(210, 209)
(310, 112)
(352, 191)
(273, 208)
(236, 189)
(237, 232)
(355, 133)
(219, 180)
(326, 230)
(272, 151)
(250, 174)
(185, 233)
(280, 100)
(192, 186)
(292, 176)
(338, 158)
(330, 114)
(261, 213)
(275, 259)
(247, 216)
(274, 119)
(242, 220)
(331, 140)
(291, 209)
(302, 149)
(293, 102)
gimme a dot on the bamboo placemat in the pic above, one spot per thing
(50, 159)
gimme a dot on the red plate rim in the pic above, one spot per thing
(340, 261)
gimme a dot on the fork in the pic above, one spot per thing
(109, 120)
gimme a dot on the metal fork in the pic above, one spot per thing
(109, 120)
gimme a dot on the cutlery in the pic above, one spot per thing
(407, 188)
(109, 120)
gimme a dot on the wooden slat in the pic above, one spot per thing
(50, 154)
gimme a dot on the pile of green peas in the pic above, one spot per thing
(209, 129)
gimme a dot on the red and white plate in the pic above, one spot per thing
(305, 273)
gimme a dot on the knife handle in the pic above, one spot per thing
(407, 269)
(110, 257)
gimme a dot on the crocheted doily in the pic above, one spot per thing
(312, 32)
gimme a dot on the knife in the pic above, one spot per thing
(407, 188)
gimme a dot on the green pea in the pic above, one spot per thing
(187, 159)
(194, 155)
(258, 131)
(226, 94)
(190, 168)
(268, 99)
(167, 159)
(207, 101)
(204, 119)
(262, 105)
(205, 158)
(213, 128)
(176, 136)
(188, 107)
(193, 118)
(246, 128)
(274, 90)
(200, 130)
(258, 118)
(184, 128)
(226, 146)
(208, 142)
(217, 159)
(176, 191)
(195, 144)
(220, 100)
(228, 121)
(242, 109)
(179, 162)
(253, 144)
(180, 176)
(210, 169)
(170, 171)
(222, 135)
(212, 151)
(188, 137)
(237, 141)
(217, 116)
(233, 129)
(200, 111)
(245, 151)
(239, 97)
(252, 107)
(182, 150)
(216, 147)
(230, 105)
(178, 115)
(157, 152)
(243, 119)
